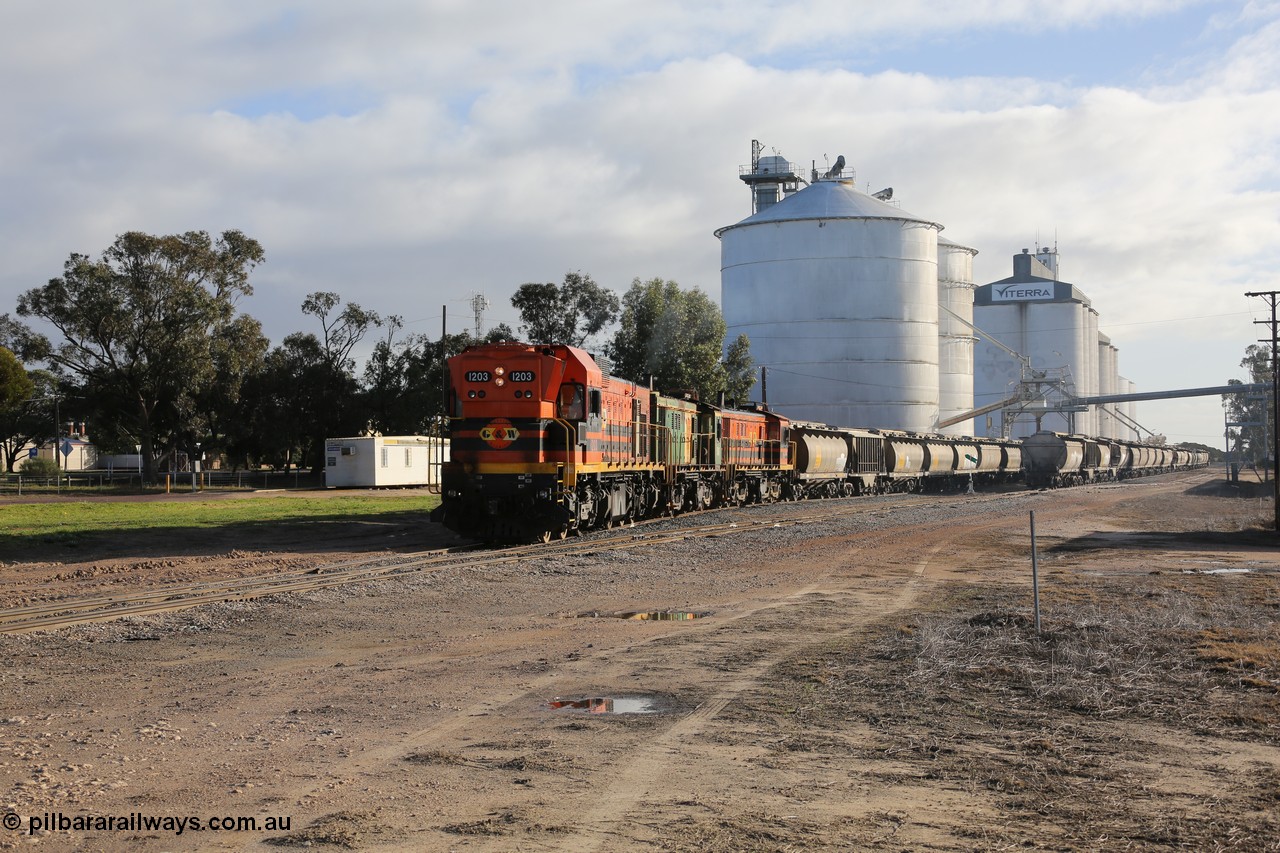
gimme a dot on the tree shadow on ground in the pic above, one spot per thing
(1224, 489)
(400, 531)
(1243, 541)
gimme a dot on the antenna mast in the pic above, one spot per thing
(478, 305)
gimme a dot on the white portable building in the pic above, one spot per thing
(383, 460)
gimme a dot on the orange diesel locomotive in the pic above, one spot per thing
(543, 443)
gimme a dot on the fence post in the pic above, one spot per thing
(1035, 571)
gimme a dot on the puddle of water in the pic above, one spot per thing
(1217, 571)
(647, 615)
(665, 615)
(607, 705)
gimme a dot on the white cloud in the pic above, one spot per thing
(407, 154)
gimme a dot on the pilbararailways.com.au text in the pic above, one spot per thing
(139, 822)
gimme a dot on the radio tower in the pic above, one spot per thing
(478, 305)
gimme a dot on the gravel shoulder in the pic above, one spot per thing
(873, 682)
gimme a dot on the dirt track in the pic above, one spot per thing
(835, 697)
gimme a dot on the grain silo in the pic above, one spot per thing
(1052, 324)
(1108, 424)
(1129, 409)
(1087, 381)
(955, 337)
(838, 292)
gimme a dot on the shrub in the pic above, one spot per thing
(39, 467)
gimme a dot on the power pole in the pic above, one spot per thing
(1272, 298)
(444, 366)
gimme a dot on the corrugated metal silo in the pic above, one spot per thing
(1046, 320)
(1108, 426)
(1130, 408)
(955, 339)
(1057, 337)
(1087, 385)
(838, 292)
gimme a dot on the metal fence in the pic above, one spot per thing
(173, 481)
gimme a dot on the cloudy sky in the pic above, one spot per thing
(408, 154)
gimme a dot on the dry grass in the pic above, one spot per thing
(1187, 657)
(512, 822)
(1062, 734)
(347, 830)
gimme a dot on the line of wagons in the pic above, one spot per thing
(544, 442)
(1052, 459)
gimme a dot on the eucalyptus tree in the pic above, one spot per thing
(568, 313)
(1252, 441)
(677, 337)
(142, 326)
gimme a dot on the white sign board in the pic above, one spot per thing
(1023, 292)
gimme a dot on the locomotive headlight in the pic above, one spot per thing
(499, 382)
(499, 371)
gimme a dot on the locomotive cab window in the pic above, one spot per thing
(595, 401)
(571, 402)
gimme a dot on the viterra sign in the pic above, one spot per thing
(1021, 292)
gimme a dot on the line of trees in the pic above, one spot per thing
(153, 350)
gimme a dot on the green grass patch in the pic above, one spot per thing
(83, 522)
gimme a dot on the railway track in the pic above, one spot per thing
(66, 612)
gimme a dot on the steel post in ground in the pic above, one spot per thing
(1035, 572)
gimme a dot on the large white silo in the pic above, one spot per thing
(1130, 408)
(1057, 338)
(1108, 425)
(1048, 322)
(955, 338)
(1088, 386)
(838, 293)
(995, 373)
(1133, 408)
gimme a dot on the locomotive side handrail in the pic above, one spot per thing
(660, 436)
(570, 454)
